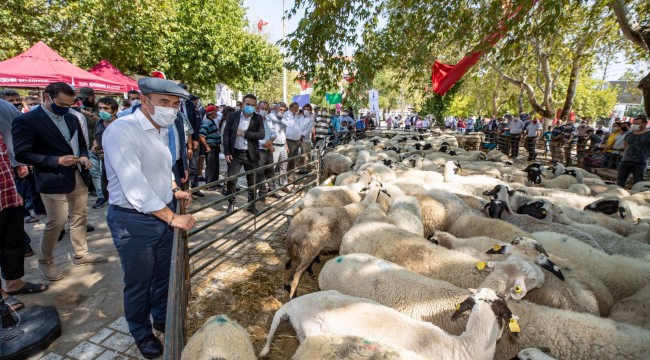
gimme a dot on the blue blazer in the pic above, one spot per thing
(39, 142)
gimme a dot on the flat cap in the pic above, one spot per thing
(153, 85)
(86, 93)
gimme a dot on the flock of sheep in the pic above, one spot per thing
(550, 262)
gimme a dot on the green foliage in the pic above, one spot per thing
(438, 105)
(592, 100)
(200, 42)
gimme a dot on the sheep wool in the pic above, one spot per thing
(332, 347)
(219, 338)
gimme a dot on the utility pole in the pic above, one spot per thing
(284, 69)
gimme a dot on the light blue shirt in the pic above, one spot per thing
(138, 164)
(269, 132)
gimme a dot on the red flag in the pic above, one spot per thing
(261, 24)
(445, 76)
(158, 74)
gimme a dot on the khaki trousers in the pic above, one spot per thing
(59, 207)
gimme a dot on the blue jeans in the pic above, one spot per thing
(144, 244)
(625, 168)
(96, 173)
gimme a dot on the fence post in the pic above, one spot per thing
(318, 164)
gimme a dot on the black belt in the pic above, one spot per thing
(279, 144)
(264, 150)
(241, 151)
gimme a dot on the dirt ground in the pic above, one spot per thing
(248, 288)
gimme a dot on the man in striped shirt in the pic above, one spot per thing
(323, 126)
(210, 137)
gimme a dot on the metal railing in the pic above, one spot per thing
(186, 260)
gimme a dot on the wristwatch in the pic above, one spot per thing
(175, 190)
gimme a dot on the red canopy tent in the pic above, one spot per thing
(40, 65)
(108, 71)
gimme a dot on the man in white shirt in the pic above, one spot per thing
(280, 143)
(307, 121)
(516, 128)
(141, 215)
(294, 134)
(533, 132)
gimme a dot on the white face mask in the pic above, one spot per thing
(237, 108)
(306, 112)
(635, 127)
(163, 116)
(264, 113)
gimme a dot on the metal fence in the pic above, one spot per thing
(187, 262)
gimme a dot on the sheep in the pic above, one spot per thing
(219, 338)
(468, 226)
(434, 214)
(568, 215)
(622, 275)
(416, 254)
(454, 207)
(408, 214)
(331, 347)
(335, 164)
(612, 206)
(641, 186)
(383, 172)
(634, 309)
(321, 196)
(534, 354)
(498, 209)
(348, 177)
(319, 229)
(560, 182)
(330, 312)
(613, 243)
(572, 335)
(362, 158)
(496, 155)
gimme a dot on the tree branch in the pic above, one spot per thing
(630, 27)
(530, 92)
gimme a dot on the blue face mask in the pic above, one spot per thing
(59, 110)
(249, 109)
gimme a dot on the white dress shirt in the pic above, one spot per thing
(138, 164)
(294, 130)
(240, 141)
(306, 126)
(280, 127)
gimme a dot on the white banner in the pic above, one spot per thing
(374, 106)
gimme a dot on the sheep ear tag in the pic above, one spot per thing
(513, 325)
(496, 249)
(481, 265)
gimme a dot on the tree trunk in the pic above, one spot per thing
(495, 98)
(571, 91)
(520, 101)
(644, 85)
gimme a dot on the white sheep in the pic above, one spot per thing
(319, 229)
(219, 338)
(335, 164)
(330, 312)
(381, 171)
(569, 334)
(534, 354)
(407, 214)
(633, 309)
(416, 253)
(332, 347)
(320, 196)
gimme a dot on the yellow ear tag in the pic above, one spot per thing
(481, 265)
(457, 307)
(331, 183)
(514, 326)
(496, 247)
(543, 212)
(518, 289)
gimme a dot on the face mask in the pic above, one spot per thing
(163, 116)
(264, 113)
(623, 129)
(135, 102)
(237, 108)
(19, 106)
(306, 112)
(88, 103)
(249, 109)
(280, 115)
(636, 127)
(105, 116)
(59, 110)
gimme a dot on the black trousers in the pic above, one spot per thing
(514, 144)
(12, 244)
(266, 158)
(627, 168)
(212, 164)
(241, 158)
(531, 145)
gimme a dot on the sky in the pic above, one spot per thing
(271, 12)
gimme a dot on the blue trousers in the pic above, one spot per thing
(144, 244)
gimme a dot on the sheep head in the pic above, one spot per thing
(538, 209)
(495, 191)
(522, 246)
(495, 208)
(486, 295)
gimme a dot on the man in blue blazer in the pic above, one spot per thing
(51, 140)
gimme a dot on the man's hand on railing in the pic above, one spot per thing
(184, 222)
(184, 195)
